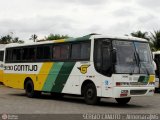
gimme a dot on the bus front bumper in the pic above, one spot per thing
(120, 92)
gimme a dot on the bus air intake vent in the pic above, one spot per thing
(137, 92)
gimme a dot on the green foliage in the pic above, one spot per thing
(140, 34)
(34, 37)
(56, 37)
(9, 39)
(155, 40)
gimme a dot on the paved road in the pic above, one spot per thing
(15, 102)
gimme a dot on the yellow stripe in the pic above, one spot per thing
(58, 41)
(42, 76)
(151, 78)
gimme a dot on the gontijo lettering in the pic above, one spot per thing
(21, 67)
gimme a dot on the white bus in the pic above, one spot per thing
(93, 66)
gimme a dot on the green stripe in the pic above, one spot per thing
(52, 76)
(63, 76)
(143, 79)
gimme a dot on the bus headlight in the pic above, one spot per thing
(122, 83)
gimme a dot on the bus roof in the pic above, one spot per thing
(84, 38)
(2, 47)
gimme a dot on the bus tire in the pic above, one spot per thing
(123, 101)
(90, 94)
(29, 89)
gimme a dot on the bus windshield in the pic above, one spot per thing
(133, 57)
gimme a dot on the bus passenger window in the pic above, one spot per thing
(16, 55)
(80, 51)
(76, 49)
(43, 52)
(9, 55)
(85, 51)
(56, 52)
(25, 54)
(64, 52)
(46, 52)
(61, 52)
(1, 55)
(32, 54)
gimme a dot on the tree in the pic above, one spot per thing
(56, 37)
(140, 34)
(34, 37)
(155, 40)
(9, 39)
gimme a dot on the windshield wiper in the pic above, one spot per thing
(139, 65)
(132, 70)
(138, 61)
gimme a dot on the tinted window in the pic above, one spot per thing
(85, 51)
(1, 55)
(8, 55)
(102, 56)
(56, 52)
(25, 54)
(61, 52)
(29, 54)
(43, 52)
(16, 54)
(46, 52)
(32, 54)
(76, 50)
(80, 51)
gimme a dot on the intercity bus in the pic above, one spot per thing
(1, 64)
(156, 57)
(92, 66)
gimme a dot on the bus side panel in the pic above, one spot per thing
(62, 76)
(72, 85)
(15, 80)
(53, 76)
(15, 74)
(81, 72)
(42, 77)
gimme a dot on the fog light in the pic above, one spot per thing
(124, 91)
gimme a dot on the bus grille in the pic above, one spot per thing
(137, 83)
(137, 92)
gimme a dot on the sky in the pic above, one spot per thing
(24, 18)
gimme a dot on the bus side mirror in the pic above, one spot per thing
(114, 56)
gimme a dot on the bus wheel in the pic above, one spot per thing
(90, 94)
(29, 89)
(123, 101)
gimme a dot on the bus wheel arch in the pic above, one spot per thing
(89, 91)
(29, 88)
(26, 80)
